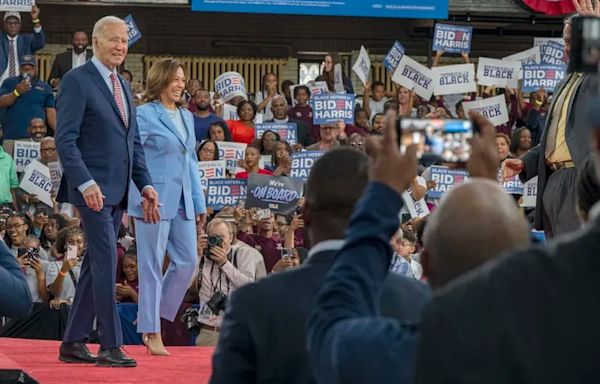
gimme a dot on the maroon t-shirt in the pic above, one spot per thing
(305, 115)
(268, 247)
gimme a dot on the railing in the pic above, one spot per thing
(207, 69)
(44, 65)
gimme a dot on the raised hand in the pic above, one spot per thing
(484, 152)
(586, 8)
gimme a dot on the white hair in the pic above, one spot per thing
(100, 24)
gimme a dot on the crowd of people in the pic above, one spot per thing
(248, 280)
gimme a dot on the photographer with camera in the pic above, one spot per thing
(223, 268)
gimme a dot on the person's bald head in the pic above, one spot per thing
(335, 184)
(475, 222)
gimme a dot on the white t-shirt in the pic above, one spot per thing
(259, 98)
(68, 288)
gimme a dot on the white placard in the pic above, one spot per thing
(530, 56)
(230, 85)
(414, 76)
(232, 153)
(24, 152)
(493, 108)
(315, 88)
(56, 172)
(453, 79)
(37, 181)
(530, 193)
(362, 67)
(16, 5)
(211, 170)
(338, 77)
(416, 208)
(499, 73)
(545, 40)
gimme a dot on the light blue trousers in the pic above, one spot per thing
(161, 296)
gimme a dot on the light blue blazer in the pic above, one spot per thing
(172, 164)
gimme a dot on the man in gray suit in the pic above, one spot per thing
(563, 148)
(263, 338)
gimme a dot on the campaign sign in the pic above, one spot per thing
(494, 109)
(538, 41)
(24, 153)
(332, 107)
(133, 31)
(416, 208)
(315, 88)
(414, 9)
(302, 163)
(265, 162)
(232, 153)
(338, 79)
(287, 131)
(393, 57)
(499, 73)
(452, 38)
(225, 192)
(56, 172)
(553, 53)
(514, 186)
(16, 5)
(230, 85)
(362, 67)
(211, 170)
(37, 181)
(453, 79)
(445, 179)
(530, 56)
(414, 76)
(279, 194)
(530, 193)
(545, 76)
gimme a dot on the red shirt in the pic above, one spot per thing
(240, 132)
(244, 175)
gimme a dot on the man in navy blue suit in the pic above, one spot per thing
(15, 300)
(99, 147)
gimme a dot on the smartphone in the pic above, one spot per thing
(71, 252)
(286, 254)
(445, 138)
(263, 214)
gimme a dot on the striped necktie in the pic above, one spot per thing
(12, 62)
(118, 94)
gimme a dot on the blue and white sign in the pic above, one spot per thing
(302, 163)
(362, 67)
(454, 79)
(413, 9)
(415, 77)
(530, 193)
(494, 109)
(553, 53)
(232, 153)
(498, 73)
(229, 85)
(211, 170)
(452, 38)
(286, 131)
(445, 179)
(279, 194)
(133, 31)
(37, 181)
(514, 186)
(24, 153)
(545, 76)
(332, 107)
(224, 192)
(16, 5)
(393, 57)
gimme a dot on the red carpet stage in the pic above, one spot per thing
(39, 359)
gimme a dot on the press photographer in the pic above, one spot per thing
(224, 267)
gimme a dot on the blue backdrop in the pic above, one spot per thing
(417, 9)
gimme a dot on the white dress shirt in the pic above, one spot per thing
(78, 60)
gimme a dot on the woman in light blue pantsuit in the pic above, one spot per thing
(167, 136)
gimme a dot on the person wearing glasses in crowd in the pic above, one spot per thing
(208, 151)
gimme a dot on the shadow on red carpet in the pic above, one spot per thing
(39, 358)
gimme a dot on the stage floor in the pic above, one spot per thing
(39, 358)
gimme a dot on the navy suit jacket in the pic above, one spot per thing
(27, 44)
(15, 299)
(92, 140)
(348, 340)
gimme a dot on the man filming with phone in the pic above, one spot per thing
(223, 268)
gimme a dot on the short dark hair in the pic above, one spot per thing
(64, 235)
(375, 116)
(298, 88)
(377, 84)
(244, 102)
(216, 157)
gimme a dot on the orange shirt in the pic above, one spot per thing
(240, 132)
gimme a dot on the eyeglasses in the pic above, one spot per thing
(47, 149)
(207, 150)
(14, 226)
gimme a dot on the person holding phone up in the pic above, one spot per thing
(62, 275)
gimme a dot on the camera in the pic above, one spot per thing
(27, 77)
(217, 302)
(213, 241)
(29, 253)
(585, 45)
(190, 319)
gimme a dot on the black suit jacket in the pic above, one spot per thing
(530, 317)
(63, 62)
(578, 139)
(263, 339)
(303, 132)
